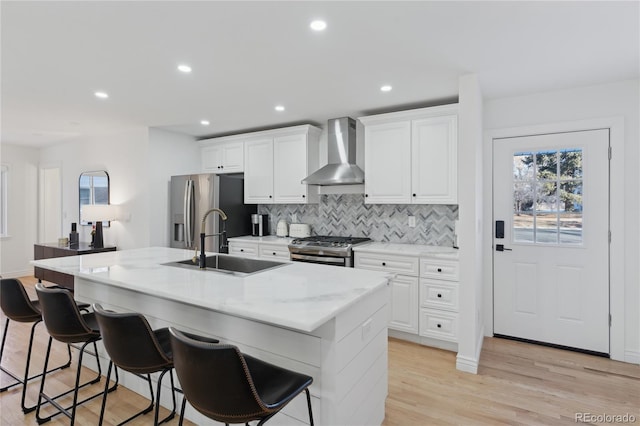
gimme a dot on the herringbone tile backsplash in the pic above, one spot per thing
(348, 215)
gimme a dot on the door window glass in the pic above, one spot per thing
(547, 197)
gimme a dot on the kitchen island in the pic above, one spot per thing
(327, 322)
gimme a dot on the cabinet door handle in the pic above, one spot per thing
(414, 195)
(439, 269)
(366, 195)
(384, 263)
(439, 325)
(303, 196)
(270, 196)
(274, 253)
(439, 295)
(241, 249)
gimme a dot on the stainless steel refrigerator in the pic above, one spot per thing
(193, 195)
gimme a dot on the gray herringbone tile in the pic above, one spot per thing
(347, 215)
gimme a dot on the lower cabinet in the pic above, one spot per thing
(404, 293)
(243, 249)
(424, 296)
(439, 299)
(403, 307)
(277, 252)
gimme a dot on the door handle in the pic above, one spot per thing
(501, 247)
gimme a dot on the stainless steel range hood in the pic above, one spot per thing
(341, 144)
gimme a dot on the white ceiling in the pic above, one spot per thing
(248, 57)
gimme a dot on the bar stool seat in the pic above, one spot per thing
(230, 387)
(17, 306)
(67, 324)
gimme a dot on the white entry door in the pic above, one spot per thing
(551, 238)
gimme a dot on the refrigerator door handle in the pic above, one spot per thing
(188, 209)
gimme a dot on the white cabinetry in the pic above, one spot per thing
(243, 249)
(403, 311)
(411, 156)
(387, 161)
(258, 174)
(276, 161)
(439, 299)
(268, 251)
(424, 293)
(277, 252)
(219, 156)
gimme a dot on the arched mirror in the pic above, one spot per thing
(93, 189)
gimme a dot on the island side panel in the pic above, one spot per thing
(354, 363)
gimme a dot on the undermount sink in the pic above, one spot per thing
(230, 264)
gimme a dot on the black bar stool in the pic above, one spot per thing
(17, 306)
(230, 387)
(134, 347)
(66, 324)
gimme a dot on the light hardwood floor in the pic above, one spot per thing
(517, 383)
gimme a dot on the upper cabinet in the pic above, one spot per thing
(276, 161)
(411, 156)
(221, 155)
(258, 176)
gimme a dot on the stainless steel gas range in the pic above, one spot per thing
(324, 249)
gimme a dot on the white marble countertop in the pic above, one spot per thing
(268, 239)
(300, 296)
(416, 250)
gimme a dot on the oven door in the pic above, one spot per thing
(319, 258)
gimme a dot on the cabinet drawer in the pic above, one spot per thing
(243, 249)
(274, 251)
(439, 325)
(439, 295)
(439, 269)
(385, 262)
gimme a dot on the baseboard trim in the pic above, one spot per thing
(632, 357)
(17, 274)
(467, 364)
(425, 341)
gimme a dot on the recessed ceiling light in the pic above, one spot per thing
(385, 88)
(279, 108)
(101, 95)
(204, 122)
(318, 25)
(184, 68)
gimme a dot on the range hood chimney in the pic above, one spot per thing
(341, 144)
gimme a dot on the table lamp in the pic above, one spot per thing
(98, 213)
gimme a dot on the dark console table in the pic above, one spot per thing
(49, 250)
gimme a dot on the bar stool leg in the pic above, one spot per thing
(75, 390)
(26, 377)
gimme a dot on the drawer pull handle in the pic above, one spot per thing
(384, 263)
(439, 295)
(439, 325)
(439, 269)
(241, 249)
(274, 253)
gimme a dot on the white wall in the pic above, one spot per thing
(140, 162)
(123, 154)
(169, 154)
(17, 249)
(470, 236)
(620, 99)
